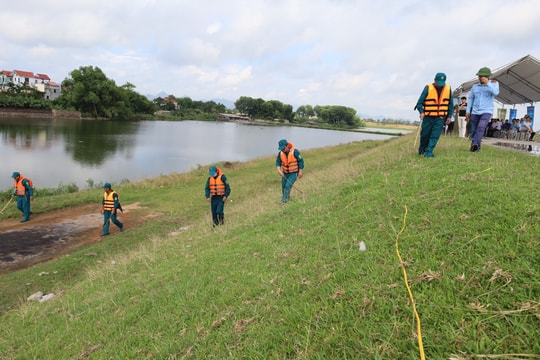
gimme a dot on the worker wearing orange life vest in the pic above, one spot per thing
(217, 190)
(24, 192)
(289, 165)
(436, 107)
(109, 206)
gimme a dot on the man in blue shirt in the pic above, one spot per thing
(480, 104)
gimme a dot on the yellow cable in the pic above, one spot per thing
(418, 326)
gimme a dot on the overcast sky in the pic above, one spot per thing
(373, 56)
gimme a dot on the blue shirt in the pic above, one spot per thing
(480, 100)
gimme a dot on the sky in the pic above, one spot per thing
(373, 56)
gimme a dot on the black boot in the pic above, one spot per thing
(221, 219)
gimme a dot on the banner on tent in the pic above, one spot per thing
(501, 114)
(513, 114)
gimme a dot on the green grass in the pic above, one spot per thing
(289, 282)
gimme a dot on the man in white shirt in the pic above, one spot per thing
(528, 127)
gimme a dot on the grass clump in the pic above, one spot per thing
(290, 281)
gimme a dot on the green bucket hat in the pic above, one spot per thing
(212, 171)
(485, 71)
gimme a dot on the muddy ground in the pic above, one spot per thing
(47, 236)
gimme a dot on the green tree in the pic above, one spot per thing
(269, 110)
(23, 97)
(89, 91)
(185, 103)
(337, 115)
(305, 111)
(287, 112)
(242, 105)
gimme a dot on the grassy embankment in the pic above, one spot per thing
(290, 281)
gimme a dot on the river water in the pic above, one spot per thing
(62, 152)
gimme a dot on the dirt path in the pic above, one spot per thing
(52, 234)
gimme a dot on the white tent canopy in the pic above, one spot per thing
(519, 82)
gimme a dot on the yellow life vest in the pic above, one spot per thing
(435, 105)
(108, 203)
(289, 163)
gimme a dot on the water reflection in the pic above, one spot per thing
(54, 152)
(91, 142)
(88, 142)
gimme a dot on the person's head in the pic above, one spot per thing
(107, 187)
(440, 79)
(463, 99)
(483, 75)
(212, 171)
(16, 175)
(282, 144)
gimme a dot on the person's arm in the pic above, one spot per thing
(207, 189)
(420, 103)
(300, 160)
(115, 198)
(28, 188)
(227, 188)
(278, 164)
(493, 86)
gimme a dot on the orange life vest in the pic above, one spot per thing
(108, 203)
(289, 163)
(216, 184)
(20, 190)
(435, 105)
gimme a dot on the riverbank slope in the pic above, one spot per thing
(292, 281)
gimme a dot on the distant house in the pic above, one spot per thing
(171, 101)
(41, 82)
(50, 89)
(24, 78)
(6, 78)
(43, 78)
(233, 117)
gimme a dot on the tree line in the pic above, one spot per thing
(335, 115)
(23, 97)
(88, 90)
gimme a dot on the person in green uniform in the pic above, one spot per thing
(24, 192)
(109, 205)
(435, 106)
(217, 190)
(289, 165)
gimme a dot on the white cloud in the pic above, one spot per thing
(373, 56)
